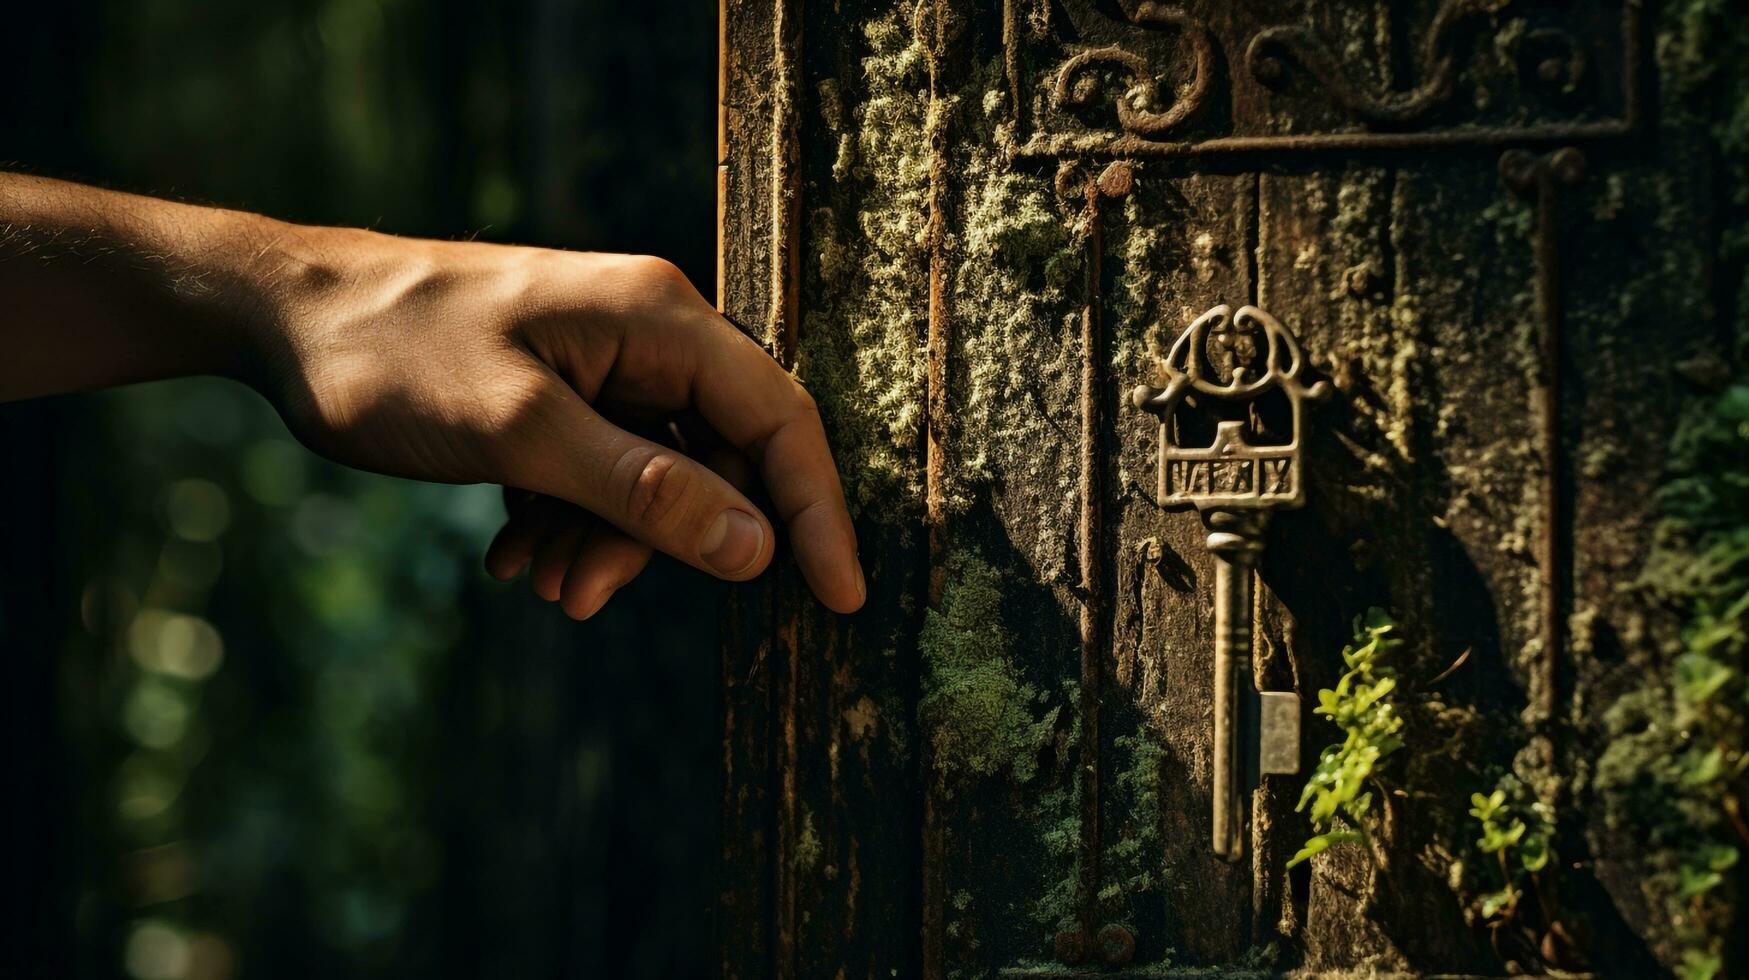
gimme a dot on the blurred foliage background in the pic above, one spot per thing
(265, 716)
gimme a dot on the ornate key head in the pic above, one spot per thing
(1231, 359)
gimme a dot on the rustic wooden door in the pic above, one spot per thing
(972, 227)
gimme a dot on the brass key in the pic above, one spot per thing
(1221, 365)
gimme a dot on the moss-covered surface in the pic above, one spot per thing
(1426, 497)
(863, 327)
(982, 717)
(1674, 772)
(997, 752)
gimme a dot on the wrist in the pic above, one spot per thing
(298, 290)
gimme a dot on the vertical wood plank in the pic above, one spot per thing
(748, 909)
(1182, 247)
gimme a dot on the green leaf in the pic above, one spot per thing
(1366, 697)
(1717, 857)
(1481, 807)
(1377, 620)
(1314, 847)
(1699, 677)
(1534, 855)
(1700, 965)
(1706, 767)
(1496, 838)
(1322, 842)
(1494, 902)
(1694, 882)
(1734, 404)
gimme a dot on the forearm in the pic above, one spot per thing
(100, 288)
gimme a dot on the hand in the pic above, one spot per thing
(466, 362)
(449, 361)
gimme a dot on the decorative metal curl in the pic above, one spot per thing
(1303, 45)
(1556, 58)
(1214, 357)
(1188, 363)
(1077, 86)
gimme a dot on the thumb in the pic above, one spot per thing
(655, 494)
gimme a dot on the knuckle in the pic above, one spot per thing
(662, 269)
(805, 402)
(653, 271)
(659, 490)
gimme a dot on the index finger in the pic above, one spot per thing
(754, 404)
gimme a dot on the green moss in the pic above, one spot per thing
(808, 848)
(1677, 769)
(1057, 815)
(1663, 778)
(1012, 260)
(1132, 862)
(982, 717)
(861, 349)
(1703, 54)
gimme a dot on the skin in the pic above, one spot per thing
(622, 414)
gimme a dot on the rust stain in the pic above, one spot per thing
(940, 334)
(1090, 531)
(1263, 57)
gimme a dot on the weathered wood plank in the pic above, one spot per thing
(747, 911)
(1180, 252)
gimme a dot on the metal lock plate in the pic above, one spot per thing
(1278, 728)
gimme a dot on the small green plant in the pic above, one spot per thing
(1361, 706)
(1517, 833)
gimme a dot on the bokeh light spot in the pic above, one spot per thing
(156, 951)
(197, 510)
(156, 714)
(275, 472)
(191, 565)
(175, 644)
(324, 524)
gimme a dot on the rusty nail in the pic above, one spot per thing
(1071, 947)
(1118, 179)
(1518, 169)
(1567, 164)
(1117, 945)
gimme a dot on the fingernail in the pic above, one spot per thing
(733, 542)
(861, 581)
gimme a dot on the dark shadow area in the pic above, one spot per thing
(1328, 564)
